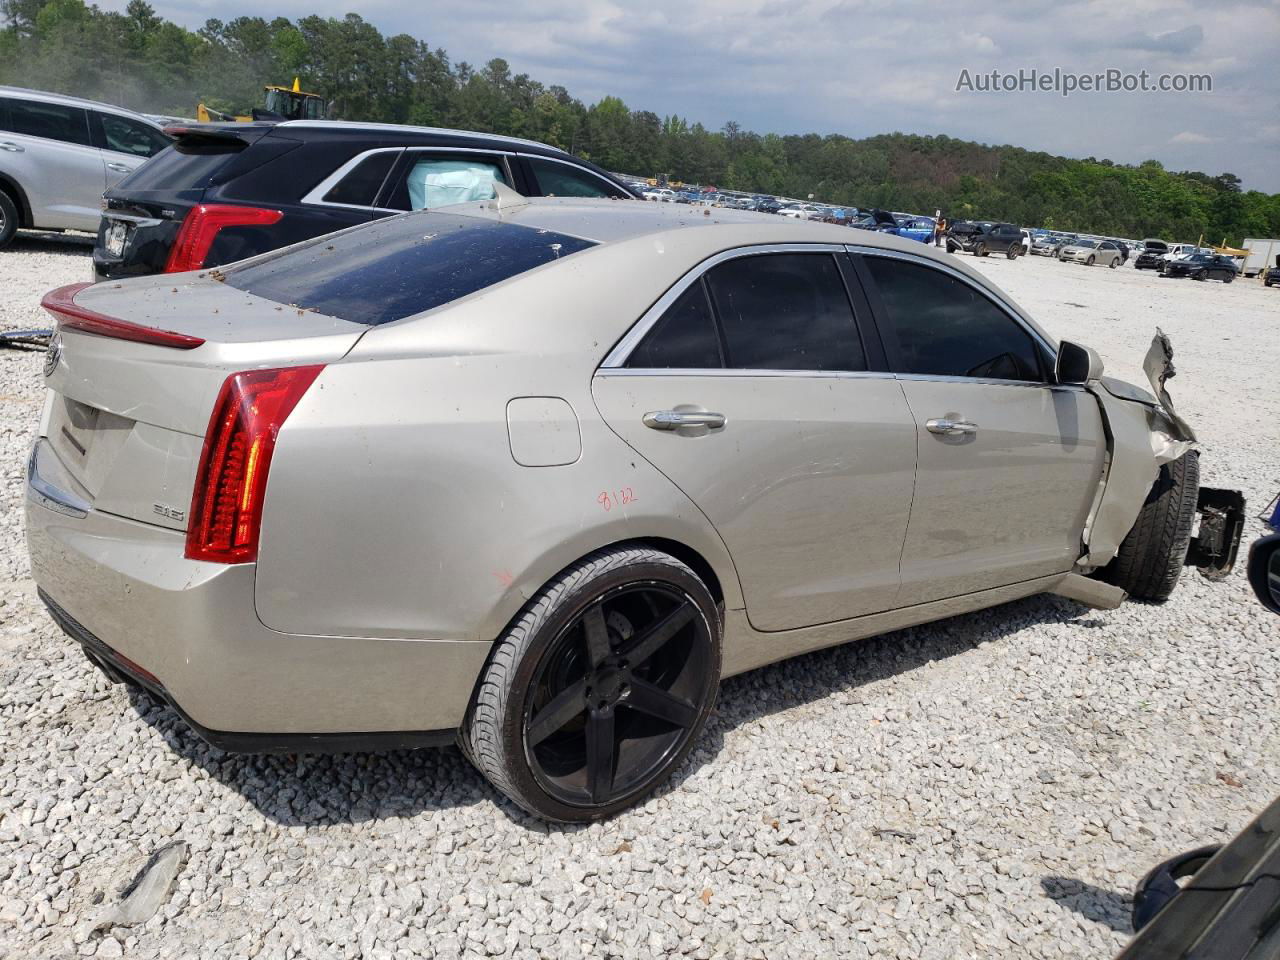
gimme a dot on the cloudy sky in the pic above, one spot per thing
(861, 67)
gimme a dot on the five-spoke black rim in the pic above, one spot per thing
(617, 694)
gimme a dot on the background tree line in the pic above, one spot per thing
(139, 60)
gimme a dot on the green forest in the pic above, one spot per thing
(139, 60)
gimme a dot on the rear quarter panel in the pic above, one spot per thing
(395, 507)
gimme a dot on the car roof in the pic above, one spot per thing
(46, 97)
(401, 128)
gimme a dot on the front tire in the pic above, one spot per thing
(599, 689)
(8, 218)
(1150, 558)
(980, 250)
(1091, 261)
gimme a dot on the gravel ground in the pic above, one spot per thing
(989, 786)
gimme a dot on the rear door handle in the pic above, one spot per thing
(674, 419)
(11, 146)
(119, 167)
(950, 428)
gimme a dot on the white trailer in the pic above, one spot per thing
(1262, 255)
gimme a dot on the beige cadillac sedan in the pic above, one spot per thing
(535, 475)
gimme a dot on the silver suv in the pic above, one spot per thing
(58, 154)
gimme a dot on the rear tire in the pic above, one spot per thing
(8, 218)
(550, 698)
(1113, 264)
(1012, 252)
(1150, 558)
(1228, 277)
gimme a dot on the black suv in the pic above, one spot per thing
(1201, 266)
(981, 237)
(229, 191)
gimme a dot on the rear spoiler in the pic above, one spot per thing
(224, 134)
(61, 303)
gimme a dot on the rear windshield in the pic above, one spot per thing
(181, 167)
(401, 266)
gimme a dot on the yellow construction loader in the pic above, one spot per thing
(283, 103)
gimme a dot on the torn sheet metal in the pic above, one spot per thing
(1158, 366)
(1141, 437)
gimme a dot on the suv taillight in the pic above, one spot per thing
(231, 481)
(202, 224)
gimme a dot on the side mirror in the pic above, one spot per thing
(1077, 364)
(1264, 571)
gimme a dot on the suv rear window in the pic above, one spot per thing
(395, 268)
(188, 166)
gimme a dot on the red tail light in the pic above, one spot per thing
(231, 482)
(202, 224)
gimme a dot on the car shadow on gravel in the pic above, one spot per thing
(56, 244)
(1092, 902)
(323, 789)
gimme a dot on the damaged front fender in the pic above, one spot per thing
(1143, 433)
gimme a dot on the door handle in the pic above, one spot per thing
(674, 419)
(11, 146)
(950, 428)
(119, 167)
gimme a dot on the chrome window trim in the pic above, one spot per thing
(617, 357)
(744, 372)
(316, 196)
(989, 381)
(569, 163)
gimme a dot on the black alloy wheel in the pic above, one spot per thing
(617, 694)
(597, 691)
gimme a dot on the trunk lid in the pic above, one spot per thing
(127, 419)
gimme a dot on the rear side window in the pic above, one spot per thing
(400, 266)
(939, 325)
(556, 179)
(683, 338)
(52, 121)
(125, 135)
(785, 311)
(360, 186)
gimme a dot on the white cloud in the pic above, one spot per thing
(1188, 136)
(861, 67)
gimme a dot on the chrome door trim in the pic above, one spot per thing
(617, 357)
(990, 381)
(992, 295)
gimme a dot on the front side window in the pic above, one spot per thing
(52, 121)
(785, 311)
(563, 180)
(939, 325)
(124, 135)
(441, 180)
